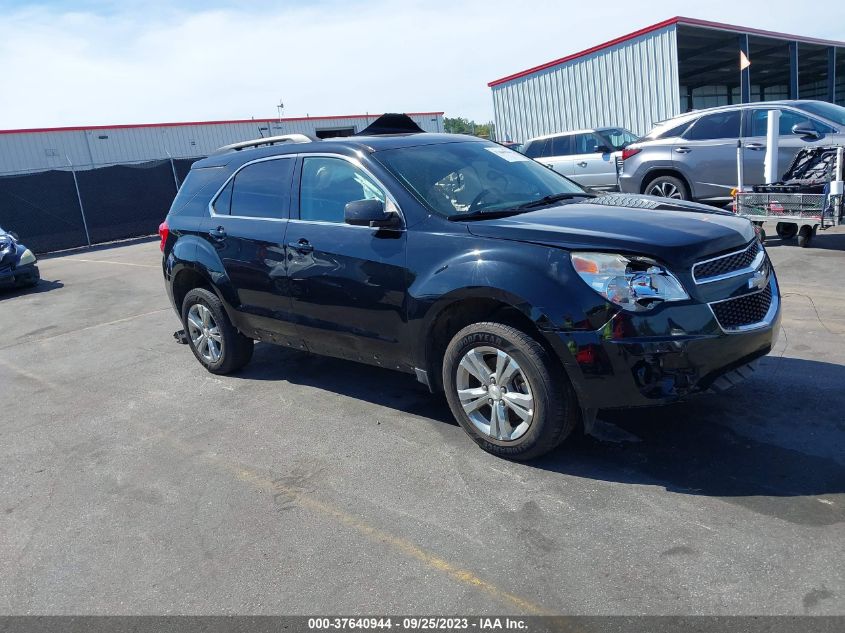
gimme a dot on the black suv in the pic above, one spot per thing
(529, 301)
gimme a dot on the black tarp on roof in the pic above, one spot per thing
(391, 123)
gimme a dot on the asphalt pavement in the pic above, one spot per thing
(134, 482)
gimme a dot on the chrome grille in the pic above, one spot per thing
(733, 314)
(739, 261)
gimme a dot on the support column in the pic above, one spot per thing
(831, 74)
(793, 70)
(745, 74)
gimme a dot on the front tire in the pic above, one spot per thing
(507, 392)
(667, 187)
(215, 342)
(804, 236)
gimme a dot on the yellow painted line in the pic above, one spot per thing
(85, 329)
(29, 375)
(410, 549)
(405, 546)
(106, 261)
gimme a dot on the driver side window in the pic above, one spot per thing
(328, 184)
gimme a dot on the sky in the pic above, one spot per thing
(97, 63)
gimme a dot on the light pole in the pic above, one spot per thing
(281, 108)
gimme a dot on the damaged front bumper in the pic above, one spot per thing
(19, 276)
(649, 360)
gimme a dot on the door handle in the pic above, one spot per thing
(583, 163)
(683, 150)
(756, 146)
(302, 246)
(218, 234)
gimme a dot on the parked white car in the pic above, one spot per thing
(586, 156)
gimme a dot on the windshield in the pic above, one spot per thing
(619, 138)
(829, 111)
(472, 176)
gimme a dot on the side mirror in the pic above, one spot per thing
(602, 149)
(369, 213)
(804, 131)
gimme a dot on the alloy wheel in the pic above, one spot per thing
(495, 393)
(204, 333)
(665, 189)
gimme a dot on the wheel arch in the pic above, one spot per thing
(186, 279)
(201, 266)
(460, 309)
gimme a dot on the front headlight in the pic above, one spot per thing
(26, 258)
(634, 283)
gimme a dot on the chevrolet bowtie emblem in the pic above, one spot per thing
(758, 280)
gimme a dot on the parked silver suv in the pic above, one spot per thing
(693, 156)
(588, 157)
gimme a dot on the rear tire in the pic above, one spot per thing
(507, 392)
(786, 230)
(667, 187)
(215, 342)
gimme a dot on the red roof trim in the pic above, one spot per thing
(563, 60)
(82, 128)
(657, 27)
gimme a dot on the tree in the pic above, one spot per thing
(460, 125)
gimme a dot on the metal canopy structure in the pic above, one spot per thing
(662, 70)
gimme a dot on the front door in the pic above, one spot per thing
(247, 228)
(348, 283)
(789, 144)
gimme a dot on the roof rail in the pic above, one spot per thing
(268, 140)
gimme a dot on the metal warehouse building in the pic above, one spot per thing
(663, 70)
(24, 151)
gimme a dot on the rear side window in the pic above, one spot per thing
(199, 180)
(536, 148)
(667, 130)
(223, 202)
(560, 146)
(715, 126)
(553, 146)
(259, 190)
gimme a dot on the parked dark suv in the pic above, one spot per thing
(530, 302)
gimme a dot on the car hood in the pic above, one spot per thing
(675, 232)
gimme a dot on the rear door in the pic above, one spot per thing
(554, 152)
(247, 228)
(590, 167)
(706, 154)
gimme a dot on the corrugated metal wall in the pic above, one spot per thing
(632, 84)
(22, 152)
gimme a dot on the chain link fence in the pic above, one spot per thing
(60, 209)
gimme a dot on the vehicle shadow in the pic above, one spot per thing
(774, 444)
(771, 449)
(823, 240)
(376, 385)
(44, 285)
